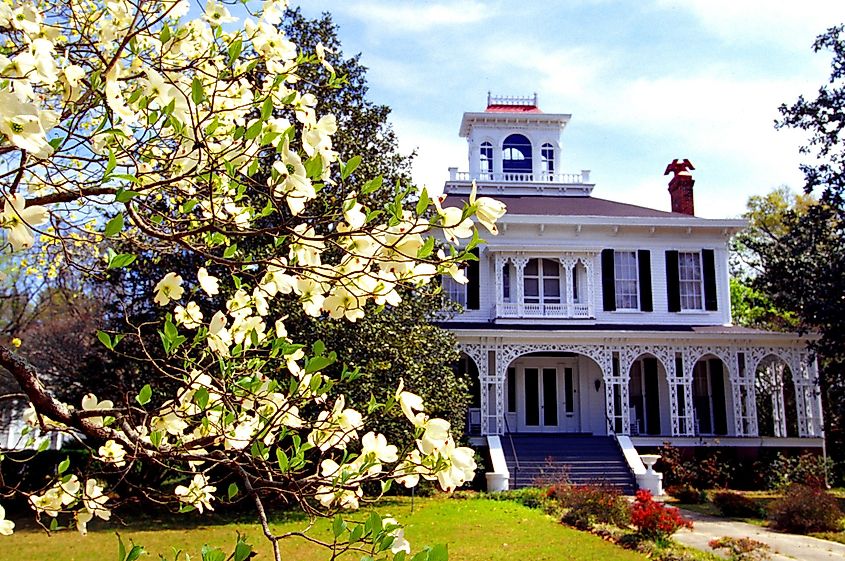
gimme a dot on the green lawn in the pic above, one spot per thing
(474, 529)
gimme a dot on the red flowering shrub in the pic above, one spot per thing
(655, 520)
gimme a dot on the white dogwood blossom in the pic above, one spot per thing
(143, 134)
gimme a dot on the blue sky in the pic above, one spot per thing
(645, 82)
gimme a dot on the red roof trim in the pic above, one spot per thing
(512, 109)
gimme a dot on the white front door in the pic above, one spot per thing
(546, 397)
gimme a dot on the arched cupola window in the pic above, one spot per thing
(547, 153)
(516, 154)
(486, 156)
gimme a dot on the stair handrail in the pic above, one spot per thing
(513, 450)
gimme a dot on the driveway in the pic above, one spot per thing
(784, 547)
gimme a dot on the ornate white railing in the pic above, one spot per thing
(512, 310)
(509, 177)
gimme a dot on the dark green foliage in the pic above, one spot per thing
(807, 469)
(735, 505)
(802, 266)
(805, 509)
(531, 497)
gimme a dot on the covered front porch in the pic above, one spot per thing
(713, 389)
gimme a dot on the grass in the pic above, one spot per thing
(474, 529)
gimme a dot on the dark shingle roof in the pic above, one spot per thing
(569, 206)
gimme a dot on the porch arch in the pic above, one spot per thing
(776, 393)
(649, 395)
(713, 396)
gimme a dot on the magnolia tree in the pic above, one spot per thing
(128, 123)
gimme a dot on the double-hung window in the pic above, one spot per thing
(626, 280)
(690, 280)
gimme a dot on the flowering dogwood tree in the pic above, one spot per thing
(130, 120)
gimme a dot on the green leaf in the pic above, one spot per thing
(426, 248)
(338, 526)
(314, 166)
(319, 363)
(232, 491)
(350, 166)
(197, 94)
(212, 554)
(121, 549)
(373, 184)
(282, 458)
(144, 395)
(105, 340)
(135, 553)
(422, 204)
(63, 465)
(188, 206)
(124, 195)
(230, 251)
(112, 163)
(235, 50)
(121, 260)
(243, 550)
(267, 109)
(114, 225)
(44, 445)
(164, 37)
(201, 397)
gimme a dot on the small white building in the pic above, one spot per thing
(590, 316)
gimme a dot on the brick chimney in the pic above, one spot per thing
(680, 186)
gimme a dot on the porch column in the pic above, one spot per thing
(744, 400)
(480, 354)
(500, 261)
(616, 397)
(774, 377)
(519, 264)
(679, 396)
(568, 263)
(807, 397)
(687, 359)
(587, 294)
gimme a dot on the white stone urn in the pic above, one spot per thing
(650, 480)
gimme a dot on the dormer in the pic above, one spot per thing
(515, 149)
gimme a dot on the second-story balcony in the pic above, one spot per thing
(520, 183)
(573, 310)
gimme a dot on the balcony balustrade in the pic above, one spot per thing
(575, 310)
(582, 178)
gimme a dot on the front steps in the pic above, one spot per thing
(579, 459)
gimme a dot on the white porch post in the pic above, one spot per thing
(519, 264)
(568, 263)
(774, 377)
(616, 397)
(500, 261)
(588, 294)
(804, 400)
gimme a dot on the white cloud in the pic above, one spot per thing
(416, 17)
(772, 21)
(438, 148)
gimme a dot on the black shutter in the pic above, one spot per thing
(708, 268)
(673, 283)
(608, 280)
(473, 284)
(644, 264)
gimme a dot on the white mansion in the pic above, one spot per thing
(590, 316)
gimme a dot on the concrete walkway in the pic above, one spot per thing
(784, 547)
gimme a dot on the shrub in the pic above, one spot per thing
(734, 504)
(806, 469)
(655, 520)
(531, 497)
(741, 549)
(804, 509)
(586, 505)
(687, 494)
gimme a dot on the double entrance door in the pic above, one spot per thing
(543, 397)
